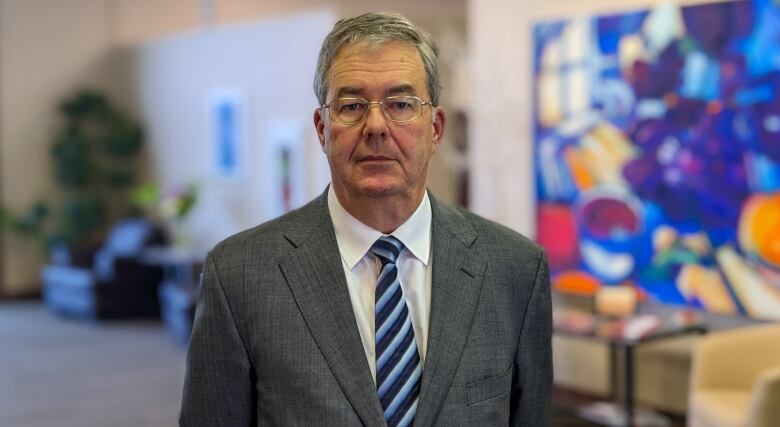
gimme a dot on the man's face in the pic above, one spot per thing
(377, 157)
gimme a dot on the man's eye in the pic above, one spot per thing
(401, 105)
(355, 106)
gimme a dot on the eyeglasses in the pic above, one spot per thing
(398, 109)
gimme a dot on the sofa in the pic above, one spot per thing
(111, 281)
(735, 378)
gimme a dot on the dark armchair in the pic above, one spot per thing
(109, 282)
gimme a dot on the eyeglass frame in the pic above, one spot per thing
(381, 104)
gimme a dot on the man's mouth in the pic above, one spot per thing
(375, 159)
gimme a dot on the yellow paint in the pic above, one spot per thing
(706, 285)
(579, 171)
(758, 297)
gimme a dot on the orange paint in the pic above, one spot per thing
(760, 227)
(576, 282)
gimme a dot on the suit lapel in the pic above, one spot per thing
(324, 301)
(457, 281)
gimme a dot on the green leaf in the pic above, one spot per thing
(82, 216)
(119, 179)
(145, 196)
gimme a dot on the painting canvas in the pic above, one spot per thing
(657, 154)
(226, 117)
(284, 165)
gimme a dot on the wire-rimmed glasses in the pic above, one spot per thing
(398, 109)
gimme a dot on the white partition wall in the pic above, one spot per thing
(265, 69)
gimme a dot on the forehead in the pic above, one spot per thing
(363, 69)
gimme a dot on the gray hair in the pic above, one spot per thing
(376, 29)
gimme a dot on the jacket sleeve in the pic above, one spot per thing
(532, 381)
(218, 389)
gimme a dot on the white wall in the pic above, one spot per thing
(272, 62)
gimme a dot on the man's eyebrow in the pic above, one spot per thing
(349, 90)
(405, 89)
(402, 89)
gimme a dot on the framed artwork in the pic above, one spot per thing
(284, 165)
(226, 110)
(657, 154)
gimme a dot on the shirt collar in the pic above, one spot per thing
(355, 238)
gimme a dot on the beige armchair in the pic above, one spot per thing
(735, 378)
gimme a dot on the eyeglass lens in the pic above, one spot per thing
(396, 108)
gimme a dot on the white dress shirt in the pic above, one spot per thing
(361, 268)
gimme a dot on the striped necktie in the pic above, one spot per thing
(398, 366)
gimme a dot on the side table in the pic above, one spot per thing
(626, 334)
(180, 288)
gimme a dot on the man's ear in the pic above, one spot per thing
(319, 125)
(439, 120)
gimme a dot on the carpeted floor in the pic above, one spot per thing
(64, 373)
(67, 373)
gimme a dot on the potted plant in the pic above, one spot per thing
(93, 159)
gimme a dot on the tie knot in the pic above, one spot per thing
(387, 248)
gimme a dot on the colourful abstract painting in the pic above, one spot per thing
(657, 154)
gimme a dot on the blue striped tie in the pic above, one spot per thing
(398, 367)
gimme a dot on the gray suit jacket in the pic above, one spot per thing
(275, 340)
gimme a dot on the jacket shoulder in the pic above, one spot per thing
(502, 246)
(491, 233)
(272, 237)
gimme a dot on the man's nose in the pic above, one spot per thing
(376, 122)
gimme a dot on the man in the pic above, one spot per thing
(374, 304)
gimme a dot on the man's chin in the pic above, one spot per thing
(376, 188)
(380, 191)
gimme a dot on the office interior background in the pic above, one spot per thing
(196, 117)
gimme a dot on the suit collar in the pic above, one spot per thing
(451, 220)
(304, 222)
(316, 278)
(355, 238)
(458, 270)
(324, 301)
